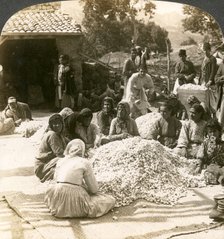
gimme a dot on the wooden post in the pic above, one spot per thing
(168, 48)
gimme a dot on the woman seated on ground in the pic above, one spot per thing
(7, 126)
(211, 153)
(76, 192)
(191, 100)
(192, 133)
(18, 111)
(123, 126)
(97, 96)
(86, 130)
(51, 148)
(69, 118)
(105, 116)
(167, 128)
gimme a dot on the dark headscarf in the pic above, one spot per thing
(84, 113)
(53, 118)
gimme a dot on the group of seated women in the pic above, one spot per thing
(70, 135)
(74, 192)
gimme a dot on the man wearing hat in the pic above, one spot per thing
(18, 111)
(184, 71)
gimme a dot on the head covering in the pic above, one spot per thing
(78, 147)
(193, 100)
(65, 112)
(84, 113)
(110, 101)
(126, 106)
(11, 99)
(53, 118)
(206, 46)
(198, 108)
(182, 52)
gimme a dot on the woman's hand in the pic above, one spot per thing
(126, 135)
(18, 122)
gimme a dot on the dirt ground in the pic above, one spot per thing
(23, 214)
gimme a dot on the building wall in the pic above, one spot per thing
(72, 46)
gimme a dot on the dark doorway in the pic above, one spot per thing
(28, 70)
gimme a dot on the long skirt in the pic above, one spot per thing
(67, 201)
(45, 171)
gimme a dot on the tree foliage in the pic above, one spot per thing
(111, 25)
(198, 21)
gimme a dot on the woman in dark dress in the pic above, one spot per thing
(51, 149)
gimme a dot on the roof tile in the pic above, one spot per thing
(41, 21)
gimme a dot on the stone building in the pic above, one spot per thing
(30, 43)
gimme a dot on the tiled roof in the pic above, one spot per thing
(40, 22)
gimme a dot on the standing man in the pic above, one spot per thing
(208, 67)
(65, 84)
(129, 67)
(184, 71)
(207, 75)
(136, 93)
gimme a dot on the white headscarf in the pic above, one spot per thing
(76, 147)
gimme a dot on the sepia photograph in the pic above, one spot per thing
(111, 120)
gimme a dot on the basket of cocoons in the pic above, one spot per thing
(136, 168)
